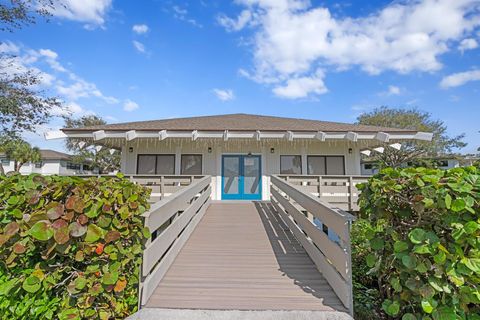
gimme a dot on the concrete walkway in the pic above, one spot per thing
(178, 314)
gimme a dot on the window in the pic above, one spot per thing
(5, 162)
(368, 166)
(191, 164)
(290, 165)
(73, 166)
(326, 165)
(38, 164)
(156, 164)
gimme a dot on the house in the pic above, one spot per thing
(241, 151)
(289, 252)
(52, 162)
(371, 167)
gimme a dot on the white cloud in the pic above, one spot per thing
(235, 24)
(459, 79)
(293, 39)
(89, 11)
(130, 106)
(394, 90)
(468, 44)
(181, 14)
(140, 47)
(302, 87)
(224, 94)
(140, 28)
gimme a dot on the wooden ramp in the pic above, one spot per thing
(241, 256)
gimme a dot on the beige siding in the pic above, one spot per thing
(212, 161)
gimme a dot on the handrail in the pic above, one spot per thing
(338, 190)
(300, 211)
(171, 222)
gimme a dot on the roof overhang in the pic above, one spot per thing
(225, 135)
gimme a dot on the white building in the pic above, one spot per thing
(53, 162)
(241, 151)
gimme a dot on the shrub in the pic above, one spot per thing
(423, 241)
(70, 248)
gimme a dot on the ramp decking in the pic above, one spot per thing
(242, 257)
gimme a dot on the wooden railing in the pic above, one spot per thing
(171, 222)
(161, 186)
(301, 212)
(339, 191)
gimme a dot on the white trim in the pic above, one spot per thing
(99, 135)
(130, 135)
(227, 134)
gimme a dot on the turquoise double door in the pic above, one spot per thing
(241, 177)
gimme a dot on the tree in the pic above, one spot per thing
(14, 14)
(84, 150)
(23, 106)
(411, 119)
(21, 152)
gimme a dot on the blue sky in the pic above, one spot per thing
(327, 60)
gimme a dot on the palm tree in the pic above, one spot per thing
(20, 151)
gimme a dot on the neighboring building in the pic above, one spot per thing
(53, 162)
(371, 167)
(241, 151)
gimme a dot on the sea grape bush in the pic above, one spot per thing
(423, 241)
(70, 247)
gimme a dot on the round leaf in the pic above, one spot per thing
(94, 233)
(42, 230)
(31, 284)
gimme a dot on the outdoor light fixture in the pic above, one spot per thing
(209, 149)
(350, 150)
(130, 149)
(272, 150)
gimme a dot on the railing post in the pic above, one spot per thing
(350, 191)
(162, 187)
(319, 186)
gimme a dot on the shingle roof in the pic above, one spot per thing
(238, 122)
(48, 154)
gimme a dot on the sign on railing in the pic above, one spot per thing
(300, 209)
(339, 191)
(171, 221)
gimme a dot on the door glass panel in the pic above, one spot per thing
(316, 165)
(166, 164)
(191, 164)
(146, 164)
(231, 174)
(335, 165)
(290, 165)
(251, 175)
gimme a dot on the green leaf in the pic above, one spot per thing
(391, 308)
(371, 259)
(110, 278)
(377, 244)
(42, 230)
(471, 227)
(409, 316)
(472, 264)
(80, 283)
(427, 306)
(409, 262)
(395, 282)
(31, 284)
(420, 182)
(400, 246)
(458, 205)
(448, 201)
(93, 233)
(422, 249)
(417, 235)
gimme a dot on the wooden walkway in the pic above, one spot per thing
(241, 256)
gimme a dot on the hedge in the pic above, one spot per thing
(422, 242)
(70, 248)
